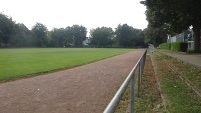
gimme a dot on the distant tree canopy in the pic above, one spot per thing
(177, 14)
(40, 35)
(7, 29)
(102, 37)
(156, 36)
(78, 34)
(59, 38)
(22, 36)
(127, 36)
(18, 35)
(70, 36)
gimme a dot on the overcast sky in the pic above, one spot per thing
(63, 13)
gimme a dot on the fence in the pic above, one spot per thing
(130, 78)
(177, 38)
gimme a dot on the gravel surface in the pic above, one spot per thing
(84, 89)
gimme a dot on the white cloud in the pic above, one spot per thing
(63, 13)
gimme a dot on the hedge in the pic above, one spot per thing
(175, 46)
(179, 46)
(165, 46)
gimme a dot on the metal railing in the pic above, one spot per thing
(130, 78)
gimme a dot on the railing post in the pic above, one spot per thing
(132, 94)
(144, 58)
(143, 61)
(141, 69)
(139, 79)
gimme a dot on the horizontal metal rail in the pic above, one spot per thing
(117, 97)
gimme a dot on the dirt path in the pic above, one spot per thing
(84, 89)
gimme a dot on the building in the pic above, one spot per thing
(86, 42)
(183, 37)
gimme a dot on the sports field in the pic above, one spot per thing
(15, 63)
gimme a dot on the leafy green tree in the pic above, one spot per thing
(178, 14)
(22, 36)
(58, 37)
(40, 35)
(140, 38)
(78, 34)
(127, 36)
(156, 36)
(124, 35)
(6, 29)
(102, 37)
(69, 36)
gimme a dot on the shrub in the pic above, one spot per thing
(175, 46)
(165, 46)
(179, 46)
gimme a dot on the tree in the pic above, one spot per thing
(6, 29)
(102, 37)
(40, 35)
(124, 35)
(179, 15)
(78, 34)
(22, 36)
(58, 37)
(156, 36)
(140, 36)
(127, 36)
(69, 36)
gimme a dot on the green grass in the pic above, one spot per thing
(179, 97)
(15, 63)
(193, 74)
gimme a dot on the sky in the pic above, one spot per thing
(88, 13)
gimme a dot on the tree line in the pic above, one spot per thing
(14, 34)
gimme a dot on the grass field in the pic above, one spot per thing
(15, 63)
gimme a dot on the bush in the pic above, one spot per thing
(179, 46)
(175, 46)
(165, 46)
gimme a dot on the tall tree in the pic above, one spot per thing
(127, 36)
(58, 37)
(40, 34)
(156, 36)
(7, 26)
(124, 35)
(140, 36)
(102, 37)
(176, 13)
(78, 35)
(22, 36)
(69, 36)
